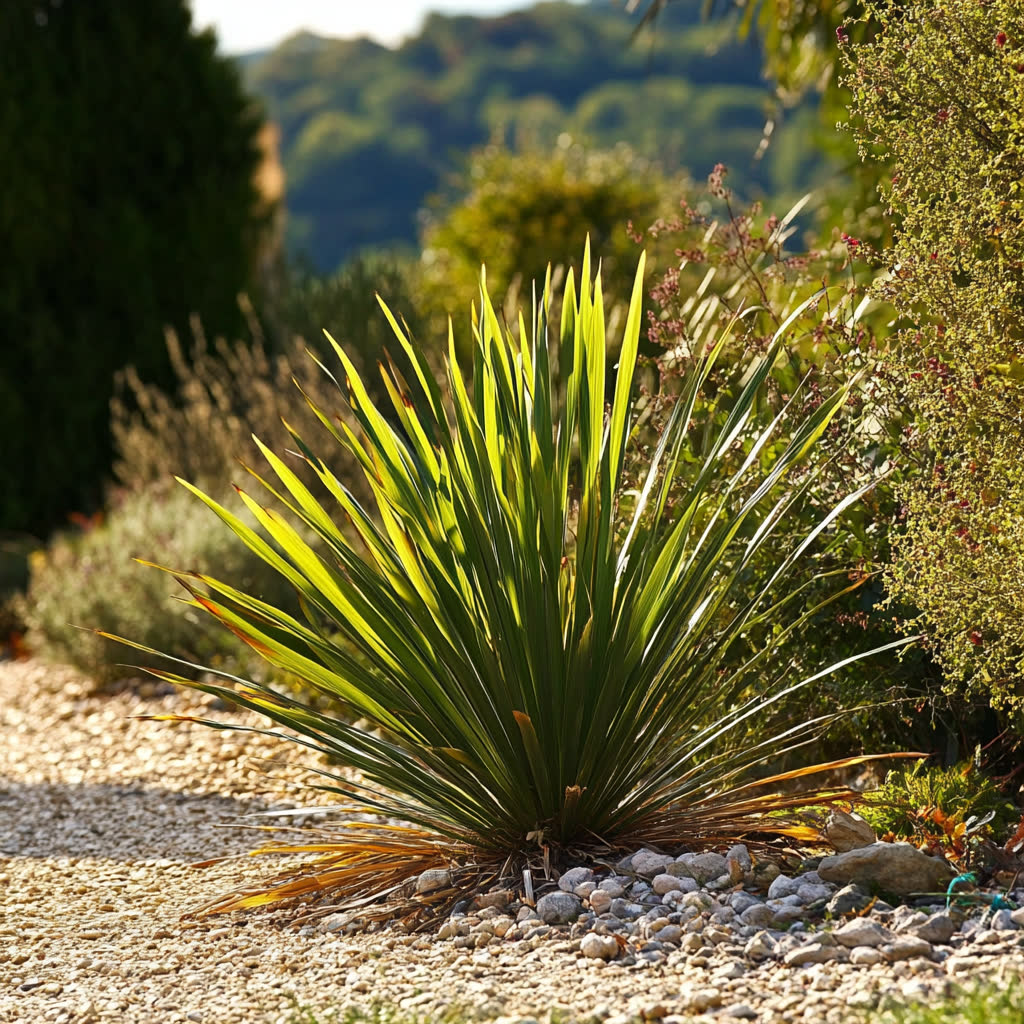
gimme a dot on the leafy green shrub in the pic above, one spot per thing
(15, 550)
(543, 206)
(934, 805)
(513, 628)
(939, 96)
(731, 260)
(90, 579)
(344, 304)
(225, 394)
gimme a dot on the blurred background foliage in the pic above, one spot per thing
(542, 206)
(313, 175)
(368, 132)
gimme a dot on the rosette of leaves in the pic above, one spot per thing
(534, 670)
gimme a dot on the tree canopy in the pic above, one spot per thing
(129, 202)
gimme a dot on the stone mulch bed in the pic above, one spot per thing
(102, 816)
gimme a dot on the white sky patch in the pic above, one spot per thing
(246, 25)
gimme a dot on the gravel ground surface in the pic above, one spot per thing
(102, 816)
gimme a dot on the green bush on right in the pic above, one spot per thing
(939, 98)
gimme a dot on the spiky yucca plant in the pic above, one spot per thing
(535, 668)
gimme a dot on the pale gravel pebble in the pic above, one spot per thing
(102, 816)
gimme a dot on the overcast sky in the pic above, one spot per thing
(244, 25)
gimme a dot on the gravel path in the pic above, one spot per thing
(101, 817)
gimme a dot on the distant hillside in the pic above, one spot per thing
(368, 132)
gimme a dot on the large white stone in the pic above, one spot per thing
(860, 932)
(846, 832)
(599, 947)
(896, 868)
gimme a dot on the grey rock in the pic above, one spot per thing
(707, 866)
(683, 886)
(788, 913)
(905, 947)
(599, 947)
(897, 868)
(704, 999)
(861, 932)
(600, 901)
(846, 832)
(432, 880)
(808, 878)
(865, 956)
(613, 887)
(792, 900)
(558, 908)
(648, 863)
(939, 928)
(573, 877)
(848, 900)
(739, 901)
(906, 918)
(1017, 916)
(730, 972)
(669, 933)
(759, 915)
(783, 885)
(1002, 920)
(810, 893)
(679, 869)
(814, 953)
(626, 909)
(740, 1011)
(625, 864)
(760, 946)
